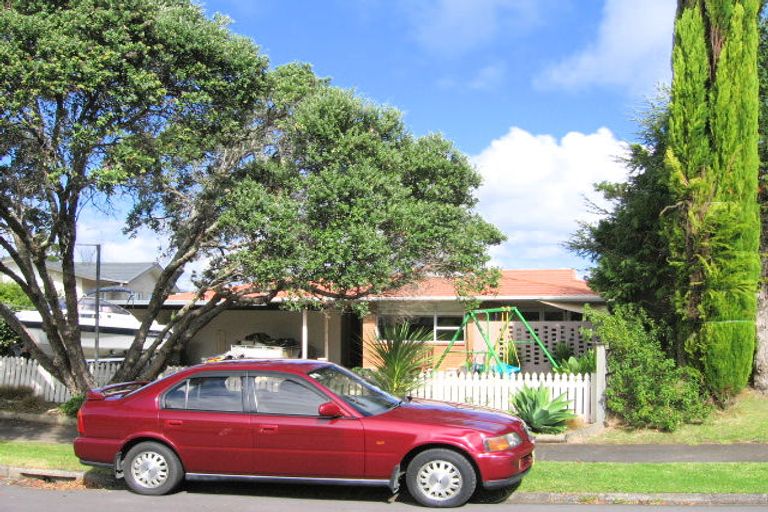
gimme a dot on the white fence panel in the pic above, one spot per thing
(495, 390)
(486, 390)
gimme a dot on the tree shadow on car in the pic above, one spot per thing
(297, 491)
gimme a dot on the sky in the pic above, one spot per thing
(543, 95)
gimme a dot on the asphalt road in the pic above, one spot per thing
(205, 498)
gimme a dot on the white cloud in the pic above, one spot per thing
(535, 187)
(632, 50)
(454, 27)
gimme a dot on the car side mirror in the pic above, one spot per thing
(329, 410)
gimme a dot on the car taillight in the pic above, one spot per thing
(80, 422)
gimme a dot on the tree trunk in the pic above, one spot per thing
(761, 354)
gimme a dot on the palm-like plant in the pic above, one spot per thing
(399, 353)
(541, 414)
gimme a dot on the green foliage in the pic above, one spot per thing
(542, 415)
(352, 203)
(562, 352)
(626, 245)
(12, 295)
(583, 364)
(71, 406)
(714, 228)
(399, 354)
(645, 388)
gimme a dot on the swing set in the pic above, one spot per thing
(500, 352)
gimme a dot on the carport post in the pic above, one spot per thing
(304, 335)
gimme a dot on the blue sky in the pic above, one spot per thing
(542, 94)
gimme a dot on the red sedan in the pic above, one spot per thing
(299, 421)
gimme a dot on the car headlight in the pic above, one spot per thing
(501, 443)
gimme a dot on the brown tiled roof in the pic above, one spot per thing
(529, 284)
(513, 283)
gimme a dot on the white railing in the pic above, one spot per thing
(494, 391)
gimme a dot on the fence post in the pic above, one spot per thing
(598, 386)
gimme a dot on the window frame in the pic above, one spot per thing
(185, 382)
(252, 407)
(435, 327)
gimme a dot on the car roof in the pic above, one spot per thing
(302, 366)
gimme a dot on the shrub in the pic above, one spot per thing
(644, 387)
(71, 406)
(585, 363)
(399, 353)
(541, 414)
(562, 352)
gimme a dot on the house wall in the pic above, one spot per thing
(229, 327)
(56, 276)
(533, 358)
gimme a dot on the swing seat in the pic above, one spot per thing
(507, 369)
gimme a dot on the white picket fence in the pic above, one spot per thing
(19, 371)
(494, 391)
(487, 390)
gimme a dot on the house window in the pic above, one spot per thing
(442, 327)
(554, 316)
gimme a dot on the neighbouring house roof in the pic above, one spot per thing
(118, 272)
(550, 284)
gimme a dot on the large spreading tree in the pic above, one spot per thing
(713, 228)
(281, 182)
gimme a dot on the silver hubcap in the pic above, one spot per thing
(439, 480)
(149, 469)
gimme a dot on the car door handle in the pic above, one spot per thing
(268, 429)
(174, 423)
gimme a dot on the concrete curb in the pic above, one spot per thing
(95, 478)
(50, 419)
(531, 498)
(577, 436)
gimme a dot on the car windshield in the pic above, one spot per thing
(360, 394)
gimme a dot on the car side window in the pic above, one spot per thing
(211, 393)
(274, 394)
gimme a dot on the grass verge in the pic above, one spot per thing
(743, 422)
(578, 477)
(597, 477)
(29, 454)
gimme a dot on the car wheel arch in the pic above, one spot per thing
(144, 438)
(445, 446)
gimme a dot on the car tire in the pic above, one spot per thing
(493, 496)
(441, 478)
(152, 468)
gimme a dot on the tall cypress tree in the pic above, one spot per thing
(714, 227)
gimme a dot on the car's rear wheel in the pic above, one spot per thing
(441, 478)
(489, 496)
(152, 468)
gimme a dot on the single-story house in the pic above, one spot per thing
(551, 301)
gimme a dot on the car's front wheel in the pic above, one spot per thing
(441, 478)
(152, 468)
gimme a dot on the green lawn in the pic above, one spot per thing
(31, 454)
(597, 477)
(579, 477)
(743, 422)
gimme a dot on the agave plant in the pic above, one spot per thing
(399, 353)
(542, 415)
